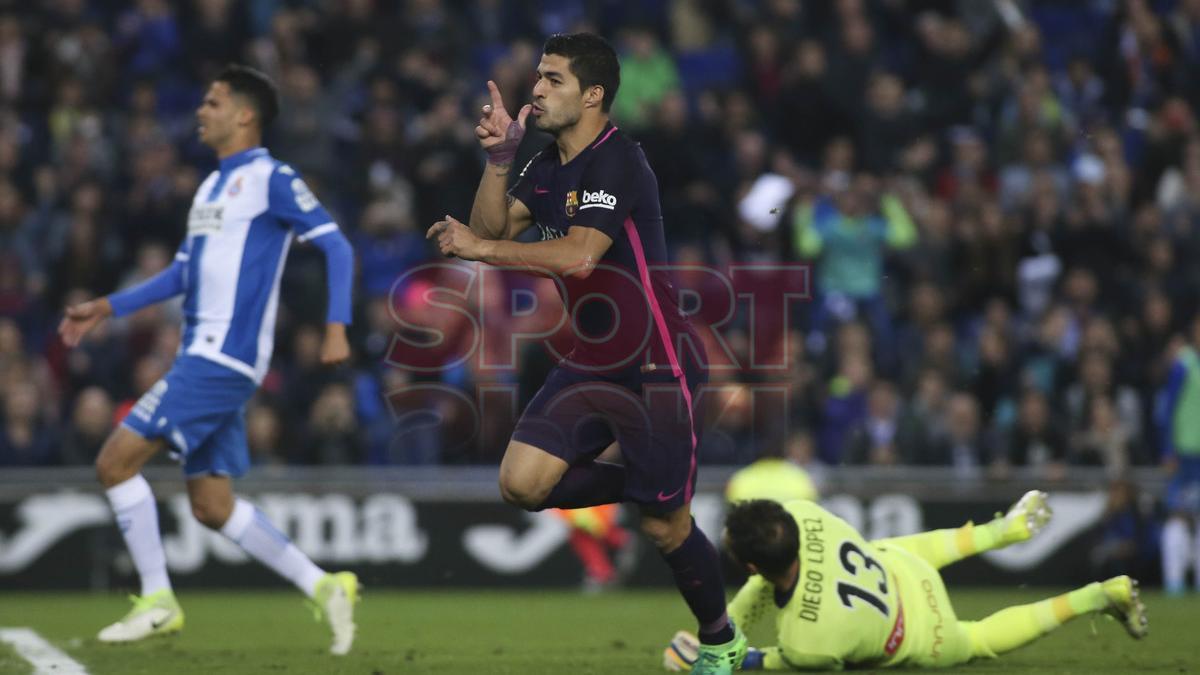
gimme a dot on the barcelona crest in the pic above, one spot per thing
(572, 203)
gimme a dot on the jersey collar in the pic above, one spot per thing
(600, 138)
(242, 158)
(782, 598)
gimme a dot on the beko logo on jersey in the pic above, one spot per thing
(599, 200)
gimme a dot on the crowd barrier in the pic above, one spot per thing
(447, 527)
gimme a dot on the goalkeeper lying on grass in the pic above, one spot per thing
(840, 601)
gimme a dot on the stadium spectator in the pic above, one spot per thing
(887, 127)
(387, 241)
(806, 104)
(845, 405)
(922, 415)
(994, 382)
(1129, 535)
(873, 441)
(847, 235)
(26, 436)
(648, 74)
(1096, 381)
(265, 435)
(333, 435)
(963, 445)
(91, 421)
(1103, 441)
(1035, 440)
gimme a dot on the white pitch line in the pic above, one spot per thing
(45, 658)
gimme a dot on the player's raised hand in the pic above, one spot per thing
(81, 318)
(498, 134)
(335, 349)
(455, 239)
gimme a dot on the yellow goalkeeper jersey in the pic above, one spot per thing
(844, 609)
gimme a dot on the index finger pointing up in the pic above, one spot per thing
(497, 101)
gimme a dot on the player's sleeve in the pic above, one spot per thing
(901, 231)
(168, 283)
(522, 189)
(606, 193)
(295, 205)
(812, 223)
(753, 602)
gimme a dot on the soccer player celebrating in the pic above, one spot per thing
(839, 601)
(240, 227)
(600, 429)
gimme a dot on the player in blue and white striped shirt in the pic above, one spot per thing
(241, 224)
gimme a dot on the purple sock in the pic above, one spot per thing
(696, 566)
(587, 484)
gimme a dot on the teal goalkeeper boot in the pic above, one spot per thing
(722, 659)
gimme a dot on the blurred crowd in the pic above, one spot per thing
(998, 199)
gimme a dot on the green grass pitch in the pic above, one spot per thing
(526, 632)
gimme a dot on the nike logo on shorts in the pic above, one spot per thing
(662, 497)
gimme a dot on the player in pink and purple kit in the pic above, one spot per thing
(615, 420)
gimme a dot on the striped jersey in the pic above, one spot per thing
(240, 226)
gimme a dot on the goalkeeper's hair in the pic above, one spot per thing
(592, 60)
(762, 533)
(255, 87)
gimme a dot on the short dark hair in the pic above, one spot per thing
(762, 533)
(592, 60)
(256, 87)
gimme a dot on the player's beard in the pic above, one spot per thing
(214, 134)
(548, 123)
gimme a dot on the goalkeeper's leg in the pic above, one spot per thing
(941, 547)
(1017, 626)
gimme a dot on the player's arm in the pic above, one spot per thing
(496, 214)
(339, 275)
(293, 203)
(901, 230)
(593, 229)
(808, 241)
(81, 318)
(575, 255)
